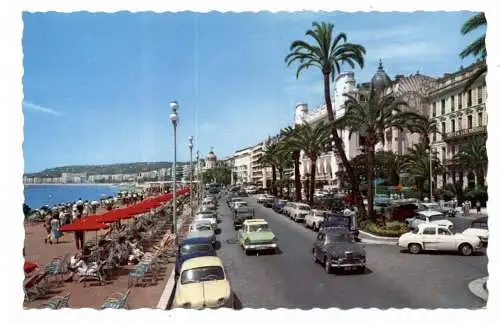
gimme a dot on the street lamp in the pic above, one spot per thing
(191, 173)
(429, 151)
(198, 192)
(175, 119)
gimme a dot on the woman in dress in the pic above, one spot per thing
(54, 233)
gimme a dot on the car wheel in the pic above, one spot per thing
(414, 248)
(247, 252)
(315, 258)
(328, 267)
(465, 249)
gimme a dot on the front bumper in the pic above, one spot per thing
(260, 246)
(348, 265)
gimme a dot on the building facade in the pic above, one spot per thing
(460, 114)
(242, 166)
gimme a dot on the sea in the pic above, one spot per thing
(36, 196)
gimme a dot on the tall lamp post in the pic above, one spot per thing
(198, 176)
(429, 151)
(191, 173)
(175, 119)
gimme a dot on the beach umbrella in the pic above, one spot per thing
(29, 266)
(87, 224)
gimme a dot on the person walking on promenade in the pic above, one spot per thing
(79, 236)
(47, 226)
(54, 233)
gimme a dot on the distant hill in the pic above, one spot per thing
(125, 168)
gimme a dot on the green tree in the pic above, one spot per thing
(389, 165)
(270, 159)
(477, 47)
(287, 133)
(370, 119)
(425, 126)
(327, 52)
(474, 157)
(311, 140)
(219, 175)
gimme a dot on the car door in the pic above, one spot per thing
(318, 245)
(429, 238)
(446, 240)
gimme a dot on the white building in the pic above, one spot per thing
(242, 165)
(459, 115)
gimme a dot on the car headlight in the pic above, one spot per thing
(186, 305)
(221, 302)
(247, 240)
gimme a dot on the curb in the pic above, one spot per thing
(379, 237)
(476, 287)
(378, 242)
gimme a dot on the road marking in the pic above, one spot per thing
(476, 288)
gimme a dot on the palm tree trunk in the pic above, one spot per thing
(298, 184)
(480, 178)
(282, 181)
(370, 161)
(273, 184)
(340, 149)
(312, 182)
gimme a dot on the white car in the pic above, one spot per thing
(239, 204)
(261, 198)
(207, 216)
(233, 201)
(314, 218)
(479, 228)
(299, 211)
(288, 206)
(251, 190)
(435, 237)
(429, 216)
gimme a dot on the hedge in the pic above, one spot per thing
(391, 229)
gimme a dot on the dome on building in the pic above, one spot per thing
(211, 156)
(381, 80)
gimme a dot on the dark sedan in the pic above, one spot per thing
(192, 248)
(337, 249)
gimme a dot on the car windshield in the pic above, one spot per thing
(437, 217)
(202, 274)
(258, 227)
(192, 248)
(201, 227)
(304, 207)
(339, 237)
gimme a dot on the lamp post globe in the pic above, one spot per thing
(174, 105)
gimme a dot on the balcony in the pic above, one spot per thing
(465, 133)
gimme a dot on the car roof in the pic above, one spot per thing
(198, 262)
(430, 225)
(255, 221)
(428, 213)
(195, 240)
(301, 204)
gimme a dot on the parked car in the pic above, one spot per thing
(242, 213)
(232, 200)
(429, 236)
(239, 204)
(191, 248)
(336, 248)
(261, 198)
(299, 211)
(429, 216)
(288, 206)
(255, 235)
(207, 216)
(243, 193)
(269, 201)
(203, 283)
(278, 205)
(202, 229)
(314, 219)
(479, 228)
(251, 190)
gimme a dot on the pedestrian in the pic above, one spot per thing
(478, 207)
(54, 232)
(47, 226)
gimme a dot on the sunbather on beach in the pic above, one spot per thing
(79, 267)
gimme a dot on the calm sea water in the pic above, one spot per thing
(37, 195)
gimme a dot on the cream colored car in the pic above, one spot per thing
(203, 283)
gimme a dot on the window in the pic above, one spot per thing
(452, 125)
(202, 274)
(480, 94)
(434, 136)
(460, 97)
(469, 122)
(480, 119)
(443, 107)
(443, 153)
(443, 128)
(469, 98)
(430, 231)
(452, 103)
(453, 150)
(459, 123)
(434, 109)
(443, 231)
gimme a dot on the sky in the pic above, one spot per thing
(97, 87)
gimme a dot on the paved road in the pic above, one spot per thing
(290, 279)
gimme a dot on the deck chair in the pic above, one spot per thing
(94, 273)
(117, 301)
(57, 302)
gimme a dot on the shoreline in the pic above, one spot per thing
(72, 184)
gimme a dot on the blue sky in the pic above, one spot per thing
(97, 86)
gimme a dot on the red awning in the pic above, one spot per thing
(87, 224)
(29, 266)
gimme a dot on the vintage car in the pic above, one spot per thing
(251, 190)
(428, 236)
(298, 211)
(241, 214)
(340, 221)
(232, 200)
(278, 205)
(238, 204)
(255, 235)
(429, 216)
(202, 229)
(336, 248)
(242, 193)
(479, 228)
(288, 206)
(314, 219)
(207, 216)
(190, 248)
(203, 283)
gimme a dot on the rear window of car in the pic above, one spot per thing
(202, 274)
(191, 248)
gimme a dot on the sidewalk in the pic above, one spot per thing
(478, 288)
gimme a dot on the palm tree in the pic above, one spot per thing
(473, 156)
(370, 119)
(328, 52)
(283, 162)
(311, 140)
(425, 126)
(390, 164)
(477, 47)
(287, 133)
(417, 163)
(269, 158)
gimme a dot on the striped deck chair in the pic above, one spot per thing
(57, 302)
(117, 301)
